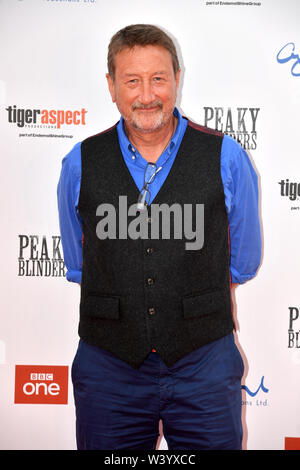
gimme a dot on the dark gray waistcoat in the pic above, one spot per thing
(145, 293)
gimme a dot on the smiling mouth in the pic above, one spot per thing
(148, 110)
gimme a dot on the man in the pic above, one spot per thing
(156, 328)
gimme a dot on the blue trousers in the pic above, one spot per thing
(198, 399)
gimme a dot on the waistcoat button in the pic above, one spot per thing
(149, 250)
(150, 281)
(151, 311)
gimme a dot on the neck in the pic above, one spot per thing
(152, 144)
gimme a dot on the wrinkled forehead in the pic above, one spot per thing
(143, 59)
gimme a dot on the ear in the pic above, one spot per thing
(111, 87)
(177, 78)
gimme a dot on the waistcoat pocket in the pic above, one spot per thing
(198, 305)
(102, 306)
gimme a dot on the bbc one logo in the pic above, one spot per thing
(45, 118)
(41, 384)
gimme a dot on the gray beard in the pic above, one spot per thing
(158, 123)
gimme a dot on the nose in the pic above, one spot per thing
(146, 93)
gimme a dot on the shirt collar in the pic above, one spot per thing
(132, 155)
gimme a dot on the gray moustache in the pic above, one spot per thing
(147, 106)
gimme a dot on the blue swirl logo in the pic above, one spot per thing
(286, 54)
(261, 387)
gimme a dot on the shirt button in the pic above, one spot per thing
(149, 250)
(151, 311)
(150, 281)
(149, 220)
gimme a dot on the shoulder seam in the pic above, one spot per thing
(106, 131)
(206, 130)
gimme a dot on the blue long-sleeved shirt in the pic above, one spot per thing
(240, 189)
